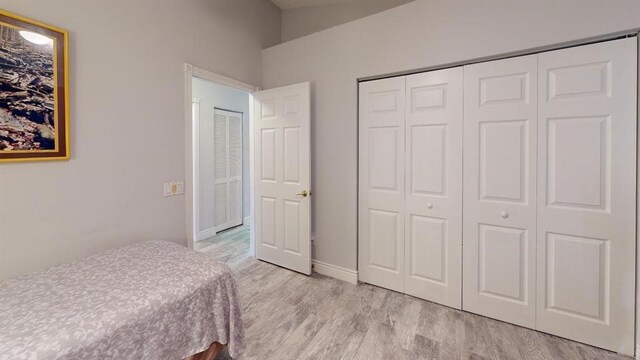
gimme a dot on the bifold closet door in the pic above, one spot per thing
(227, 195)
(500, 113)
(433, 186)
(587, 193)
(381, 182)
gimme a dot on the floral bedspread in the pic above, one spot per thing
(152, 300)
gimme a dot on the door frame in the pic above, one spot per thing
(191, 144)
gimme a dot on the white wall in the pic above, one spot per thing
(302, 21)
(127, 122)
(416, 35)
(213, 95)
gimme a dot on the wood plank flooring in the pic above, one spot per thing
(291, 316)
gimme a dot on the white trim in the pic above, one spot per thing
(195, 116)
(220, 79)
(191, 181)
(190, 209)
(337, 272)
(252, 188)
(205, 234)
(246, 220)
(637, 302)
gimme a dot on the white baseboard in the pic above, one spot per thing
(205, 234)
(638, 351)
(340, 273)
(246, 220)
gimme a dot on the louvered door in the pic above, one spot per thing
(227, 169)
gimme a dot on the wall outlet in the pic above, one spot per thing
(173, 188)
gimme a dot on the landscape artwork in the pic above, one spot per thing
(33, 92)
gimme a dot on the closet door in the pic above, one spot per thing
(381, 182)
(500, 102)
(433, 186)
(587, 193)
(235, 168)
(227, 169)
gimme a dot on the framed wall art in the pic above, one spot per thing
(34, 92)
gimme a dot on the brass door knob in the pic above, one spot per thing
(304, 193)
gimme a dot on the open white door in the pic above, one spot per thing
(282, 206)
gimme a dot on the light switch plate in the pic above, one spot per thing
(173, 188)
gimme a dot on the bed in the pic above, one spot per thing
(152, 300)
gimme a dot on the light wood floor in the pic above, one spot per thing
(291, 316)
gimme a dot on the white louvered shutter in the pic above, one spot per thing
(228, 169)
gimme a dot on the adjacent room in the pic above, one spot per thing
(319, 179)
(221, 117)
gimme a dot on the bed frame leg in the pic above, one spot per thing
(209, 354)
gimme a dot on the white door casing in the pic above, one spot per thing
(227, 169)
(282, 170)
(500, 115)
(381, 183)
(433, 184)
(587, 193)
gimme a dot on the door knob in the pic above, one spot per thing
(429, 206)
(504, 214)
(304, 193)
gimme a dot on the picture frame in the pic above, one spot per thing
(34, 90)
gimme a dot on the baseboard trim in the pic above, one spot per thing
(246, 220)
(340, 273)
(205, 234)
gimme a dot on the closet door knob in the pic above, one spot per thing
(429, 206)
(504, 214)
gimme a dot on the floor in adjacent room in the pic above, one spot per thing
(234, 241)
(292, 316)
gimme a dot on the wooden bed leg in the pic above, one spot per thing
(208, 354)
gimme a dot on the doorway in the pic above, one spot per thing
(219, 160)
(276, 163)
(222, 165)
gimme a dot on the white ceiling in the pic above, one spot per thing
(293, 4)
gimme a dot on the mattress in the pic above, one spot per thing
(152, 300)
